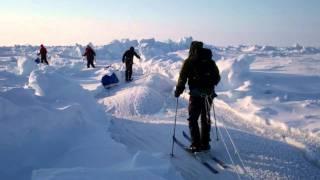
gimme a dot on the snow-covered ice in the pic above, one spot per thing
(58, 123)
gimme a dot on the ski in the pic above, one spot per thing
(205, 164)
(215, 159)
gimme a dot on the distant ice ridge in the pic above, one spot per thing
(152, 48)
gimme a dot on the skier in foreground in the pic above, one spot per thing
(90, 56)
(128, 59)
(43, 54)
(202, 75)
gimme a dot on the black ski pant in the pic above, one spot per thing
(90, 62)
(199, 106)
(128, 71)
(44, 60)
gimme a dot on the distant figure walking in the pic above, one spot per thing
(43, 54)
(202, 75)
(128, 59)
(90, 54)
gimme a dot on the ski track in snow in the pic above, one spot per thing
(139, 119)
(264, 158)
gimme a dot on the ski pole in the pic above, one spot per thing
(174, 127)
(215, 120)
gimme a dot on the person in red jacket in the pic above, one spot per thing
(43, 54)
(90, 56)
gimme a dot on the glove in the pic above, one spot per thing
(177, 92)
(214, 95)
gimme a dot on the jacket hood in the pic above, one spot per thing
(194, 47)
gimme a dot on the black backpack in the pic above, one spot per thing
(204, 74)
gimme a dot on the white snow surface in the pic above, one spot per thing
(58, 123)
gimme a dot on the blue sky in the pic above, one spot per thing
(221, 22)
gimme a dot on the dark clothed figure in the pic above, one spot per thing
(202, 75)
(43, 54)
(90, 54)
(127, 58)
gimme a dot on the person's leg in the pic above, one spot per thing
(205, 123)
(127, 72)
(92, 63)
(45, 60)
(88, 63)
(130, 72)
(194, 113)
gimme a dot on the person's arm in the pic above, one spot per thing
(40, 52)
(135, 54)
(94, 53)
(217, 74)
(183, 77)
(124, 57)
